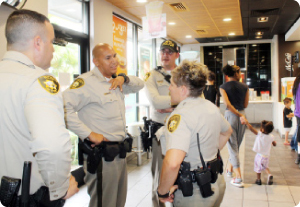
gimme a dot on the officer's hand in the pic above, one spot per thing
(117, 82)
(96, 138)
(73, 188)
(171, 195)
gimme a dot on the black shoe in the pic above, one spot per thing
(270, 179)
(297, 161)
(258, 182)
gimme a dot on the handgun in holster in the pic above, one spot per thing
(184, 179)
(126, 146)
(215, 166)
(146, 134)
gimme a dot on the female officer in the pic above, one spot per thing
(236, 97)
(193, 117)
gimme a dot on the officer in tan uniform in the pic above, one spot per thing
(193, 118)
(157, 90)
(98, 100)
(32, 124)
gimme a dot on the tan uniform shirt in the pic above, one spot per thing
(157, 91)
(91, 107)
(32, 126)
(192, 116)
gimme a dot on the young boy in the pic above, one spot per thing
(262, 146)
(287, 118)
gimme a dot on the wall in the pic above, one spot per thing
(36, 5)
(286, 47)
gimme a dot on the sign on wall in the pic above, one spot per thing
(120, 43)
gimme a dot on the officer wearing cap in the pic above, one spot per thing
(95, 110)
(32, 126)
(157, 84)
(193, 119)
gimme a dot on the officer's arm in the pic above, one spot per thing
(170, 168)
(50, 143)
(156, 100)
(133, 86)
(74, 100)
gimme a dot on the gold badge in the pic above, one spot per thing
(49, 83)
(169, 43)
(147, 76)
(173, 122)
(79, 82)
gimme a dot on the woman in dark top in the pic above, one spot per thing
(210, 91)
(235, 97)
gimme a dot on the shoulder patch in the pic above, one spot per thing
(173, 122)
(147, 76)
(78, 83)
(49, 83)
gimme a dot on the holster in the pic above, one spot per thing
(203, 179)
(111, 150)
(215, 167)
(185, 180)
(9, 190)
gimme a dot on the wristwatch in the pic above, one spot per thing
(164, 195)
(126, 79)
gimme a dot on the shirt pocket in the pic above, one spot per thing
(111, 106)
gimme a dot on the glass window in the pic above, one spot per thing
(69, 14)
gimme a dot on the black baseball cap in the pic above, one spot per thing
(169, 44)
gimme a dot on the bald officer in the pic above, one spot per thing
(32, 124)
(157, 91)
(98, 100)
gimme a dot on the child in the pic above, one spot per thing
(262, 146)
(287, 118)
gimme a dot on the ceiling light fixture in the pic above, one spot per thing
(171, 23)
(188, 36)
(258, 37)
(262, 19)
(254, 45)
(259, 33)
(231, 34)
(227, 19)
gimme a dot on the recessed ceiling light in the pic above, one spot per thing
(262, 19)
(141, 1)
(231, 34)
(227, 19)
(171, 23)
(188, 36)
(259, 33)
(254, 45)
(258, 37)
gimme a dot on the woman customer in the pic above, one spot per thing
(236, 97)
(210, 91)
(187, 125)
(296, 94)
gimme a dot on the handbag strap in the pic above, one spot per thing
(201, 158)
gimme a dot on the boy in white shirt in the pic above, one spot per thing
(262, 147)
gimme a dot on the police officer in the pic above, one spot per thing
(193, 117)
(98, 100)
(32, 124)
(157, 84)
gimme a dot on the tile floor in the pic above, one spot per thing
(284, 193)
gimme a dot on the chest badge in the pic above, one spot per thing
(49, 83)
(78, 83)
(173, 122)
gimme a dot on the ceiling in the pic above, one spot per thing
(203, 19)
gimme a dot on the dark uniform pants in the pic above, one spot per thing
(157, 160)
(108, 186)
(197, 200)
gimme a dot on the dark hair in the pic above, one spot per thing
(21, 23)
(287, 100)
(267, 126)
(296, 84)
(230, 70)
(192, 75)
(211, 76)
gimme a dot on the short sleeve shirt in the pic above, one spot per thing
(263, 143)
(236, 92)
(195, 117)
(287, 122)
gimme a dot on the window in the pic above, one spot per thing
(71, 56)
